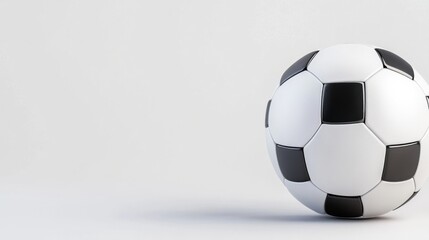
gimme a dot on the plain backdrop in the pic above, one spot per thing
(145, 119)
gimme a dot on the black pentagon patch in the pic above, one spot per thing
(267, 113)
(343, 103)
(411, 197)
(297, 67)
(292, 163)
(395, 62)
(401, 162)
(340, 206)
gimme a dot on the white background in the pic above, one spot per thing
(145, 119)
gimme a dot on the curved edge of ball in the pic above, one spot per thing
(422, 171)
(397, 192)
(308, 194)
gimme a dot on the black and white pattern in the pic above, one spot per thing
(297, 67)
(347, 131)
(396, 63)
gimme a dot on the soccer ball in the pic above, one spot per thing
(347, 131)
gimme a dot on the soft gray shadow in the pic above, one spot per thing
(240, 216)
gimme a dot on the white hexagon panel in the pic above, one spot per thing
(307, 194)
(345, 160)
(345, 63)
(294, 114)
(386, 197)
(396, 108)
(421, 82)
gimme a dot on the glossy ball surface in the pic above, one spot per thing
(347, 129)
